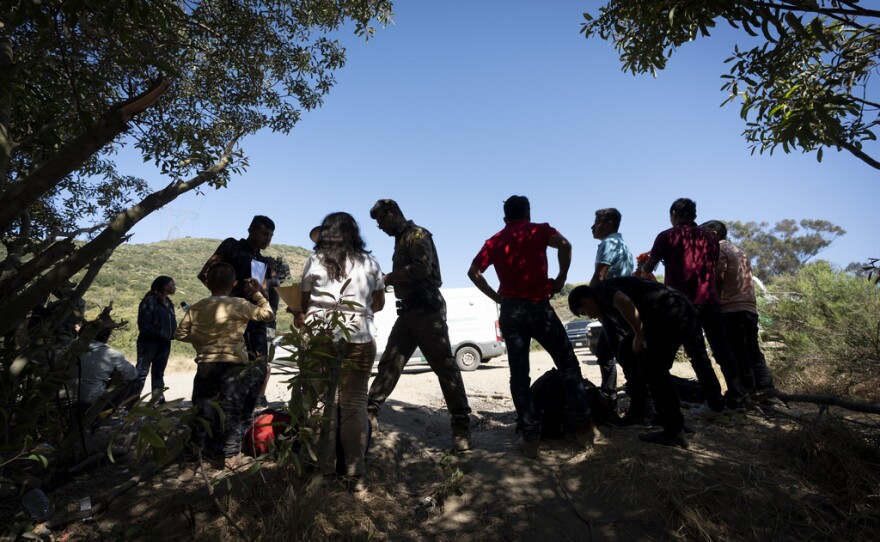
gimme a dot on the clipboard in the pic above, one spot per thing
(292, 295)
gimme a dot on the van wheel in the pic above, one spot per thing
(467, 358)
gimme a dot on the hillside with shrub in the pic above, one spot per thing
(826, 324)
(127, 277)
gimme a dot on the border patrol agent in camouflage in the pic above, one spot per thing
(421, 320)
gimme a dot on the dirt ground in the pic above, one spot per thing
(745, 481)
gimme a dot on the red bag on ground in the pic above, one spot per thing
(260, 436)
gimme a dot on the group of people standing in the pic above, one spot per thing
(707, 288)
(228, 330)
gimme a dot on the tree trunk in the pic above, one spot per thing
(17, 306)
(23, 193)
(6, 87)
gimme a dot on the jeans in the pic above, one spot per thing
(521, 321)
(742, 332)
(606, 350)
(426, 329)
(225, 384)
(152, 358)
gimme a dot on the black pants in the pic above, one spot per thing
(712, 323)
(655, 361)
(224, 385)
(152, 358)
(742, 333)
(606, 349)
(257, 343)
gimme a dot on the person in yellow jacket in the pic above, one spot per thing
(215, 327)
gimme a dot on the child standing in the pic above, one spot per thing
(215, 327)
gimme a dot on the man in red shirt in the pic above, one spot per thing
(689, 255)
(519, 254)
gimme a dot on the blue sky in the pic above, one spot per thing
(461, 104)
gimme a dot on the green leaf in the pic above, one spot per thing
(795, 23)
(776, 109)
(148, 434)
(39, 459)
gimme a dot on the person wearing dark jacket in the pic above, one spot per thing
(654, 321)
(156, 325)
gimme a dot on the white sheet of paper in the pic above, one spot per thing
(258, 271)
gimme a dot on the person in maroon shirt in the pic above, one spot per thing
(519, 254)
(689, 255)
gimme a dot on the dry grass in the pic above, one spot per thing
(180, 364)
(757, 482)
(768, 479)
(841, 460)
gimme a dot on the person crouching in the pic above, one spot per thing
(655, 320)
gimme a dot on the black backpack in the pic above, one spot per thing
(688, 389)
(548, 400)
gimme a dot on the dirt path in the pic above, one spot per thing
(505, 495)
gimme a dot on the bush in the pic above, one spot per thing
(829, 325)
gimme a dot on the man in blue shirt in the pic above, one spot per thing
(614, 259)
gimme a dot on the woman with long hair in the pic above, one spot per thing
(156, 325)
(341, 256)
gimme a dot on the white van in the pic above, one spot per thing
(473, 327)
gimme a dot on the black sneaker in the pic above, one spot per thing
(461, 441)
(630, 420)
(529, 448)
(665, 439)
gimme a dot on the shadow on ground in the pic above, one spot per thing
(740, 482)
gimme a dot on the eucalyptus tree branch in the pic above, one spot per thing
(864, 102)
(859, 153)
(76, 233)
(36, 133)
(17, 305)
(25, 191)
(790, 6)
(827, 400)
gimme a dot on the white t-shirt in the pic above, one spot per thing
(366, 278)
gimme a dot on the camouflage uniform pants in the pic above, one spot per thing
(427, 330)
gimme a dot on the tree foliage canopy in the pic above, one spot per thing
(805, 85)
(236, 66)
(784, 248)
(181, 82)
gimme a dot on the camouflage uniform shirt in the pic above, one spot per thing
(415, 256)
